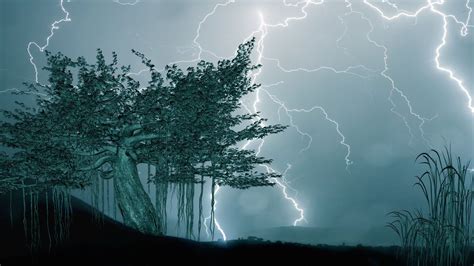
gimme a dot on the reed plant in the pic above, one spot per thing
(440, 233)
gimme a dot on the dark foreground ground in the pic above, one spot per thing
(110, 243)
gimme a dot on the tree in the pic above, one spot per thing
(98, 121)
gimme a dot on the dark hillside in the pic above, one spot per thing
(110, 243)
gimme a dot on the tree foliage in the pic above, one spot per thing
(99, 121)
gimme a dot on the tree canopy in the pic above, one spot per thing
(98, 122)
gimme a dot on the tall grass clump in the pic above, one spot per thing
(440, 233)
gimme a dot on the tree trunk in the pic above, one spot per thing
(132, 200)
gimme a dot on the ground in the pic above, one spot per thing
(110, 243)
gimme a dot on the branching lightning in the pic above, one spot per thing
(464, 30)
(394, 88)
(394, 91)
(54, 27)
(326, 116)
(218, 226)
(283, 183)
(263, 29)
(127, 3)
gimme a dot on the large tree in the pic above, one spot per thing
(96, 120)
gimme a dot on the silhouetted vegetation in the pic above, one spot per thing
(98, 123)
(439, 234)
(111, 243)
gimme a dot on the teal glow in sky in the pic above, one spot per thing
(365, 85)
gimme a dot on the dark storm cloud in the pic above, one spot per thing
(382, 149)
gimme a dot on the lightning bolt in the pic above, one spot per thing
(464, 30)
(127, 3)
(195, 42)
(263, 29)
(326, 116)
(54, 26)
(216, 222)
(283, 183)
(394, 91)
(260, 47)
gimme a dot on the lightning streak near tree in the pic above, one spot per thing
(395, 95)
(394, 90)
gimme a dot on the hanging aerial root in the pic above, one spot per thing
(161, 197)
(201, 192)
(62, 210)
(11, 209)
(48, 231)
(189, 210)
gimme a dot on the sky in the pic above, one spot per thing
(364, 85)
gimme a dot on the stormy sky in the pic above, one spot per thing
(360, 88)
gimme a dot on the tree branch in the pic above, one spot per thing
(104, 149)
(107, 175)
(135, 139)
(101, 161)
(128, 131)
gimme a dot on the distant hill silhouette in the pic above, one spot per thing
(376, 236)
(110, 243)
